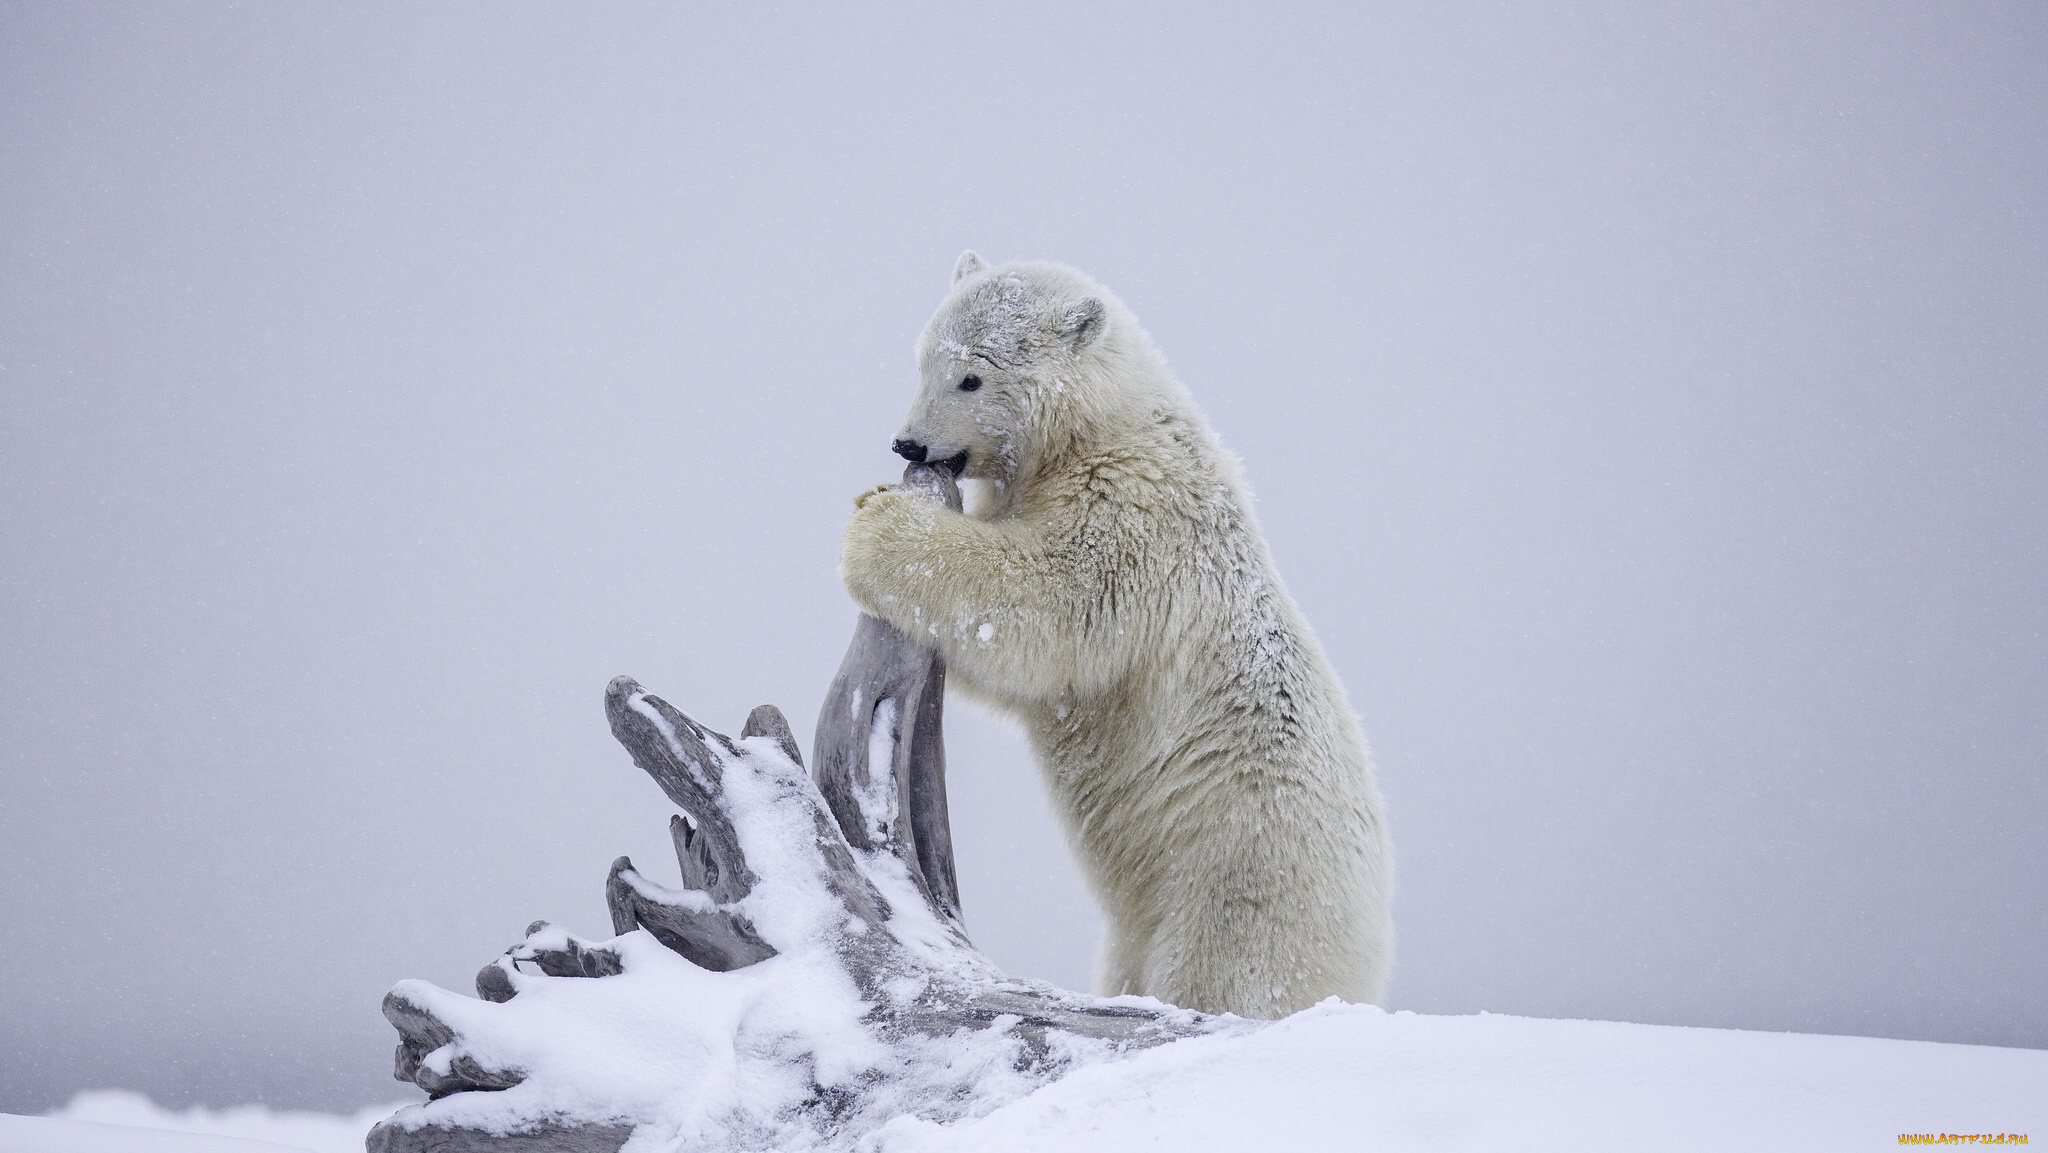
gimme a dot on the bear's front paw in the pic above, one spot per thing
(891, 525)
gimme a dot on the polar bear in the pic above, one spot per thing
(1114, 594)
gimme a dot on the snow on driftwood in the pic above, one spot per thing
(807, 982)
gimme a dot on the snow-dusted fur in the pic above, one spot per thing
(1115, 595)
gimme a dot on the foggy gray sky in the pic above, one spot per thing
(1646, 405)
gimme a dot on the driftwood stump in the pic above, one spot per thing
(809, 981)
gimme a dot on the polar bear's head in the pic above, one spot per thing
(1018, 357)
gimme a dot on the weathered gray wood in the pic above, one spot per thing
(689, 762)
(574, 959)
(768, 721)
(389, 1138)
(893, 683)
(886, 668)
(693, 854)
(420, 1033)
(681, 755)
(718, 939)
(676, 751)
(886, 702)
(923, 772)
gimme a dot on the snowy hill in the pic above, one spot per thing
(1350, 1078)
(1355, 1078)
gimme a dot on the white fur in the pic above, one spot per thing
(1115, 595)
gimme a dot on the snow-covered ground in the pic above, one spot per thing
(1350, 1078)
(1354, 1078)
(90, 1121)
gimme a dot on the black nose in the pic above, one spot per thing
(909, 450)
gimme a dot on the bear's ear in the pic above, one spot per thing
(969, 263)
(1082, 322)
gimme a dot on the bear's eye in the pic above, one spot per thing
(969, 383)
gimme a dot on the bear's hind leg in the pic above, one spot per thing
(1122, 967)
(1235, 941)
